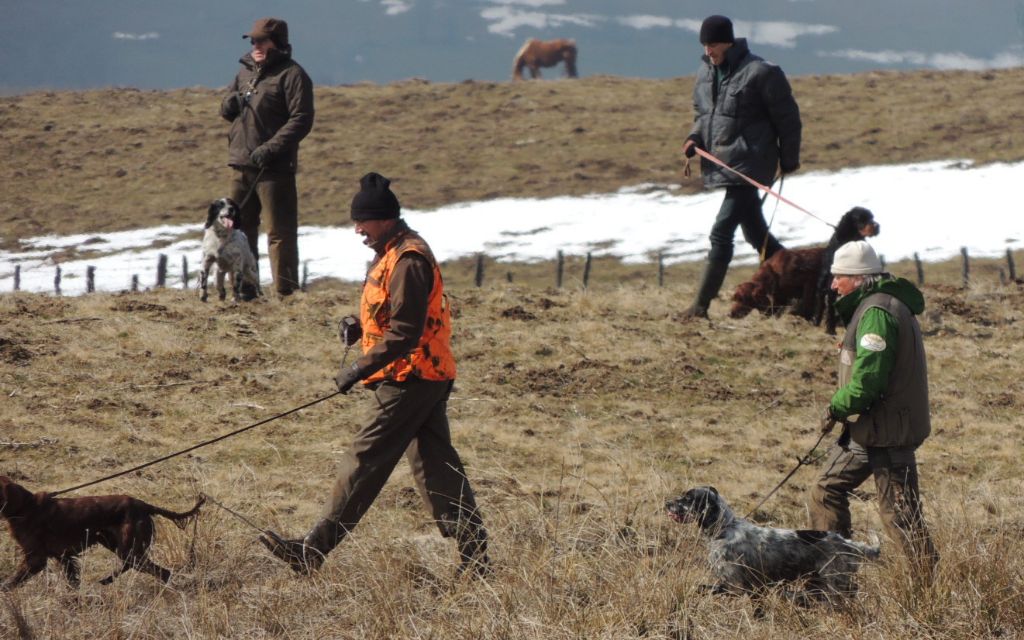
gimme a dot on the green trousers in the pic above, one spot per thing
(407, 418)
(899, 501)
(276, 200)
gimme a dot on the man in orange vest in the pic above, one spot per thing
(405, 327)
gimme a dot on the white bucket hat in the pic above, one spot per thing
(856, 259)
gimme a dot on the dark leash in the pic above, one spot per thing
(236, 514)
(252, 188)
(194, 447)
(806, 460)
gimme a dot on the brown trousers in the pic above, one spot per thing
(276, 198)
(899, 501)
(407, 417)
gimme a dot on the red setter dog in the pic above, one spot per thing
(535, 54)
(61, 528)
(789, 275)
(802, 277)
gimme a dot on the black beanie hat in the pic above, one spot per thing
(375, 200)
(716, 29)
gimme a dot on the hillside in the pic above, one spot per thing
(578, 411)
(117, 159)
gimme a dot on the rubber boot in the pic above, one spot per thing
(710, 282)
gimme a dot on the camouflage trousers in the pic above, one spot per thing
(899, 500)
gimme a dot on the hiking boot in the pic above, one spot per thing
(301, 557)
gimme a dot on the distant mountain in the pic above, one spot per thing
(176, 43)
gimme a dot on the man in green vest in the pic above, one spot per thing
(882, 402)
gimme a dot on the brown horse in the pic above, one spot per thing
(545, 53)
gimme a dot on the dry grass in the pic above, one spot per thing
(577, 413)
(119, 159)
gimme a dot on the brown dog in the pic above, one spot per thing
(47, 527)
(790, 276)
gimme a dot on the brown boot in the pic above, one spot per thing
(301, 557)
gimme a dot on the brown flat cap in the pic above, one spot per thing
(274, 28)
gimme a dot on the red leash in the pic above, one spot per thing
(704, 154)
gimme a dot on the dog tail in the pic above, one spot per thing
(176, 517)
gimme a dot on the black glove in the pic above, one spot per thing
(260, 156)
(692, 149)
(828, 420)
(350, 330)
(347, 378)
(231, 107)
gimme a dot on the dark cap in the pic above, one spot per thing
(273, 28)
(375, 201)
(716, 29)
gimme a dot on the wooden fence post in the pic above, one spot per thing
(56, 281)
(508, 276)
(560, 269)
(161, 270)
(135, 283)
(661, 269)
(1010, 268)
(90, 279)
(966, 269)
(305, 276)
(920, 269)
(478, 277)
(17, 277)
(586, 271)
(184, 271)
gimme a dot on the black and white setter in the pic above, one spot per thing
(746, 558)
(226, 248)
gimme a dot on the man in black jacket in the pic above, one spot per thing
(270, 108)
(746, 116)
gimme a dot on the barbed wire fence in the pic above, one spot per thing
(160, 280)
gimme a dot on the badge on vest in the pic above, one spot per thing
(846, 357)
(872, 342)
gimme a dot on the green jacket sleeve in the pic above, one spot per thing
(876, 355)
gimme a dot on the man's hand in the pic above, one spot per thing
(231, 107)
(260, 156)
(347, 378)
(350, 330)
(828, 420)
(690, 148)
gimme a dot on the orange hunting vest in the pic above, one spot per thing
(432, 358)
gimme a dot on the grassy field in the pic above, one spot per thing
(578, 412)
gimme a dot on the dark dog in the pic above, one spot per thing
(856, 224)
(226, 248)
(61, 528)
(789, 276)
(747, 558)
(802, 277)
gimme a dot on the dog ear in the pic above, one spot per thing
(14, 498)
(713, 490)
(211, 214)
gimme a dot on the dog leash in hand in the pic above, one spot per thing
(707, 156)
(194, 447)
(800, 462)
